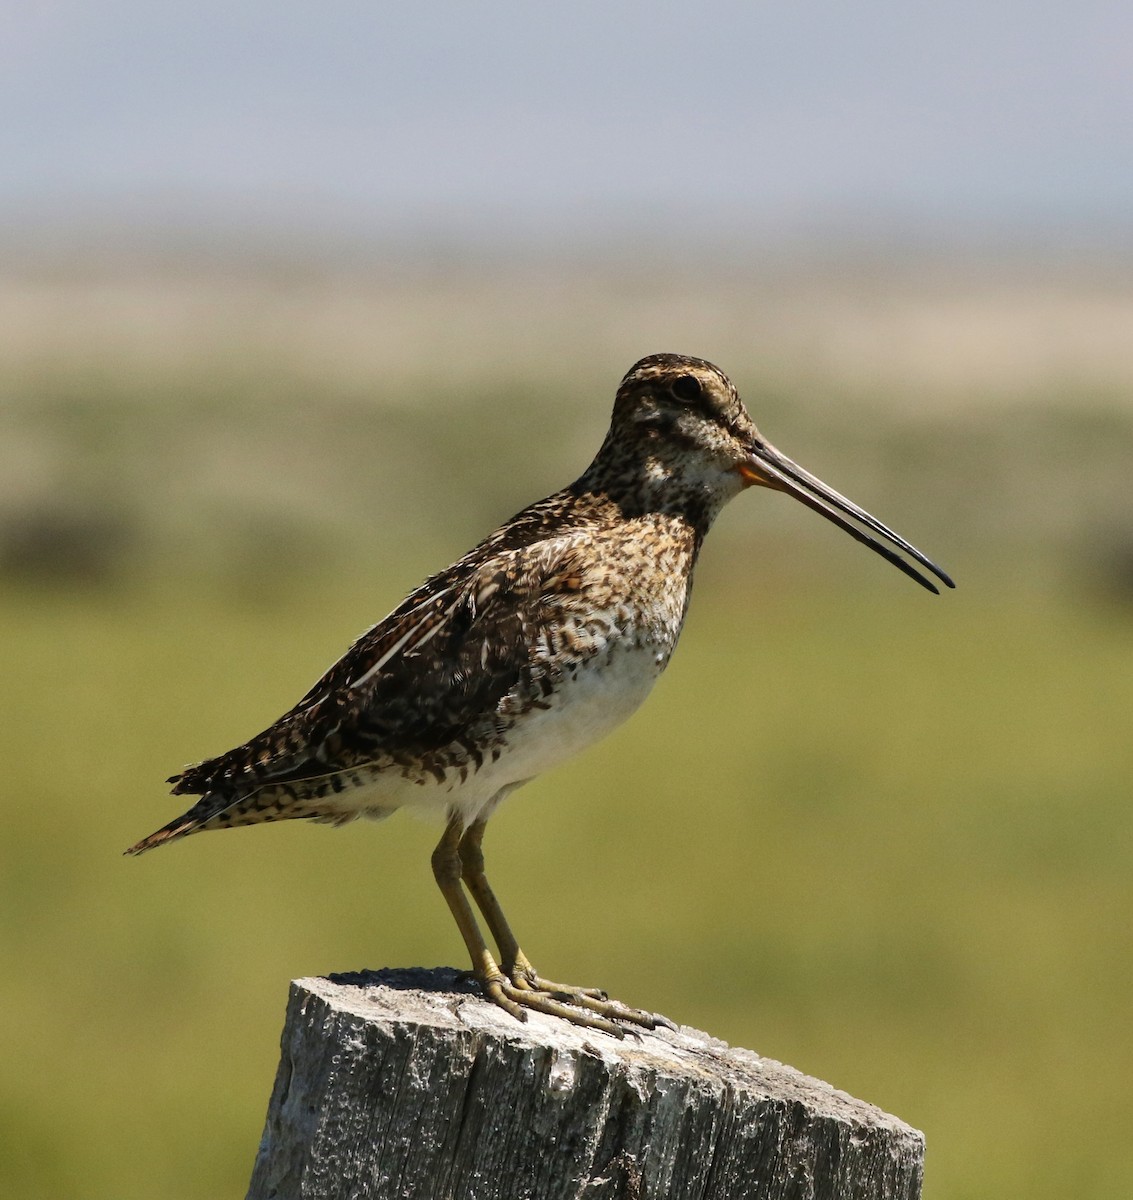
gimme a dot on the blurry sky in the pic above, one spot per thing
(490, 117)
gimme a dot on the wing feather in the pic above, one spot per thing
(419, 680)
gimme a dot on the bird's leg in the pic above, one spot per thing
(472, 868)
(524, 977)
(446, 871)
(498, 988)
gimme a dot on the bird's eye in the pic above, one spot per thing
(686, 387)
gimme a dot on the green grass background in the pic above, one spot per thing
(880, 836)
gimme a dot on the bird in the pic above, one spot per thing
(531, 647)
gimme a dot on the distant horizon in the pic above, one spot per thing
(352, 236)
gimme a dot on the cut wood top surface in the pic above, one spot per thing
(447, 999)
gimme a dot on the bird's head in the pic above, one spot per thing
(683, 422)
(687, 419)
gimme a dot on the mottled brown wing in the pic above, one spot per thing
(420, 679)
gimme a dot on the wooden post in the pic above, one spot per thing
(398, 1085)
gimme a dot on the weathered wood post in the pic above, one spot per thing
(405, 1084)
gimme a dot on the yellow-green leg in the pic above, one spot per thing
(497, 986)
(527, 986)
(446, 871)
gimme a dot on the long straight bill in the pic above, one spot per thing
(775, 470)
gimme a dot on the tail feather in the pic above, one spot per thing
(206, 813)
(222, 810)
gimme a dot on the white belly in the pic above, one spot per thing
(595, 702)
(582, 711)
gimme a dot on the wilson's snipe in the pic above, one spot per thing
(532, 646)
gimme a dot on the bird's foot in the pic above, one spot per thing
(589, 1008)
(593, 1000)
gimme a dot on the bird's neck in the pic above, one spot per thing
(636, 483)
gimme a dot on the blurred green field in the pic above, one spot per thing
(880, 836)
